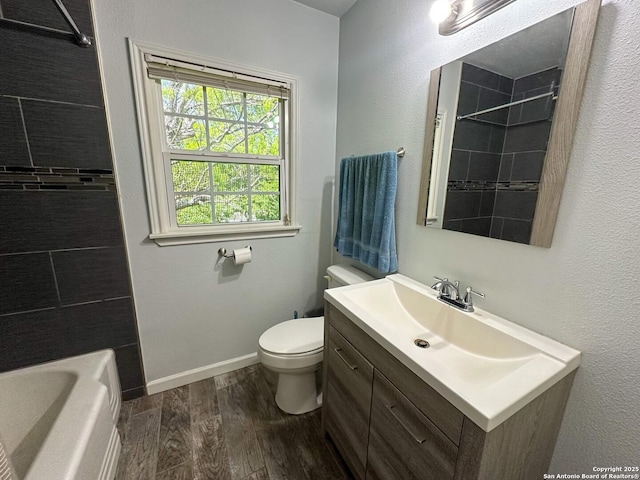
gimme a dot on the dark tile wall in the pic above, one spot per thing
(497, 157)
(477, 148)
(13, 144)
(525, 146)
(64, 281)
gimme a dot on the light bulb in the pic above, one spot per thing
(441, 10)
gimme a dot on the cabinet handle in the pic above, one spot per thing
(404, 425)
(346, 362)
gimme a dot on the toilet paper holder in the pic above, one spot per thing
(222, 252)
(239, 256)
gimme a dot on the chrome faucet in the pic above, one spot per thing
(447, 289)
(449, 292)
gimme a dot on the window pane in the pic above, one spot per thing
(263, 109)
(231, 208)
(265, 178)
(265, 207)
(234, 201)
(264, 138)
(264, 141)
(193, 209)
(185, 98)
(226, 137)
(190, 176)
(185, 133)
(225, 104)
(230, 177)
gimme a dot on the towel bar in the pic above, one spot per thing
(400, 152)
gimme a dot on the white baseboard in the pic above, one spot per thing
(197, 374)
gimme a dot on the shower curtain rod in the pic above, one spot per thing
(500, 107)
(80, 37)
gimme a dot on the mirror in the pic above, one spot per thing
(500, 123)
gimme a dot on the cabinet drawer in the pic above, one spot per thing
(403, 443)
(348, 401)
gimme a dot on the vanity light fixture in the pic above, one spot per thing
(454, 15)
(442, 10)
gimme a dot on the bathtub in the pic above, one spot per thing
(58, 420)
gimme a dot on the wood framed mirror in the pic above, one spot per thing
(499, 131)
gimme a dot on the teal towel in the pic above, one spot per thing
(366, 217)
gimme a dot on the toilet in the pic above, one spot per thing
(294, 349)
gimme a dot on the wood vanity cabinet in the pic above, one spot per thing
(388, 424)
(349, 386)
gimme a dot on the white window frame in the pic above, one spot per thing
(159, 183)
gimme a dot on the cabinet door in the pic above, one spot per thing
(348, 401)
(403, 443)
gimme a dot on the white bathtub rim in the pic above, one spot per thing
(94, 398)
(88, 365)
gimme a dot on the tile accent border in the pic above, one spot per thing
(475, 185)
(53, 178)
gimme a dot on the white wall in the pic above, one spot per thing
(190, 316)
(583, 290)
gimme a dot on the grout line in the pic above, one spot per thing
(514, 219)
(102, 300)
(501, 228)
(32, 99)
(466, 174)
(59, 250)
(27, 311)
(55, 279)
(485, 87)
(26, 135)
(113, 299)
(80, 303)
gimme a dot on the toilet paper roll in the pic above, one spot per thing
(241, 256)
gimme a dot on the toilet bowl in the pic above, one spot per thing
(294, 349)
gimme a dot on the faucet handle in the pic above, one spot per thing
(468, 299)
(438, 284)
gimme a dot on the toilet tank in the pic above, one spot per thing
(340, 275)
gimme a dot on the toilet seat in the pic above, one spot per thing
(293, 355)
(291, 363)
(294, 338)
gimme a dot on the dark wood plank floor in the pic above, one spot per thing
(223, 428)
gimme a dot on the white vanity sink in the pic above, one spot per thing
(486, 366)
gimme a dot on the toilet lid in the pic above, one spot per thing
(292, 337)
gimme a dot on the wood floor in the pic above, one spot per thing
(223, 428)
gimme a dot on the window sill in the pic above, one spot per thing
(219, 234)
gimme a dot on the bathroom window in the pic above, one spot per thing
(217, 144)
